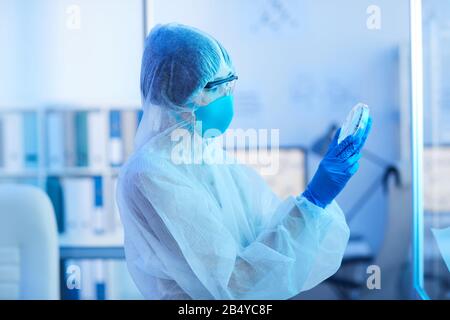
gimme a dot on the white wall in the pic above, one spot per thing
(48, 62)
(9, 53)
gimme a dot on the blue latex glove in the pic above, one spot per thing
(336, 168)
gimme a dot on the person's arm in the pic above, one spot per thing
(301, 245)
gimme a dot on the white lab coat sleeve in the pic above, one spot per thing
(300, 246)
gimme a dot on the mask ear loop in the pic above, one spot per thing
(190, 107)
(193, 107)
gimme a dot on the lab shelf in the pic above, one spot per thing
(104, 240)
(63, 172)
(107, 246)
(91, 252)
(82, 172)
(20, 173)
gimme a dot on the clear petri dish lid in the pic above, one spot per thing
(356, 121)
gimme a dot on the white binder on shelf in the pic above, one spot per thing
(78, 201)
(87, 290)
(14, 157)
(69, 139)
(97, 139)
(55, 140)
(115, 138)
(99, 222)
(129, 123)
(30, 139)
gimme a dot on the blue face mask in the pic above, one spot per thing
(216, 116)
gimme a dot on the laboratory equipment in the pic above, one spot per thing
(356, 122)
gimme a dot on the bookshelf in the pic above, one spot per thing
(41, 169)
(26, 157)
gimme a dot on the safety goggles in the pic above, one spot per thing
(229, 80)
(217, 89)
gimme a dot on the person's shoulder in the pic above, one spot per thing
(143, 164)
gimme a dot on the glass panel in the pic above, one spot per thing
(436, 151)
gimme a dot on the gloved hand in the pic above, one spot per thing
(336, 168)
